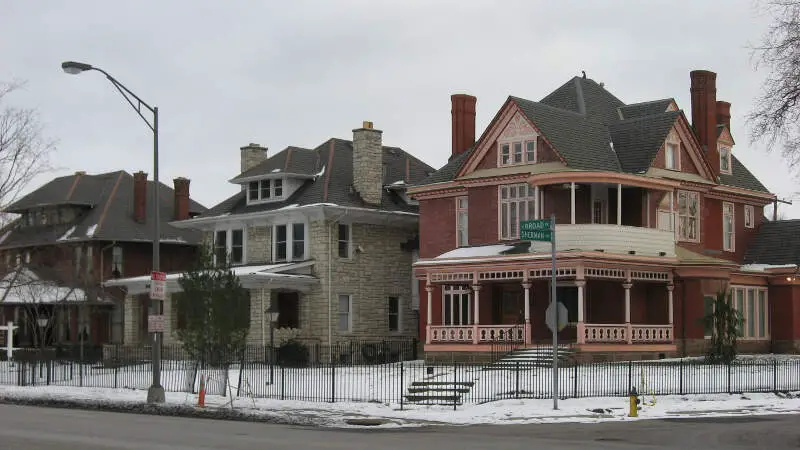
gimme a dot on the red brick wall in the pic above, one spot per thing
(785, 312)
(490, 159)
(483, 227)
(545, 152)
(437, 225)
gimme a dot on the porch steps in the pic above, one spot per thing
(531, 357)
(438, 392)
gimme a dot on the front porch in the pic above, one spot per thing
(623, 309)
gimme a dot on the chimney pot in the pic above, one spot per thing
(181, 206)
(724, 113)
(140, 196)
(80, 172)
(463, 122)
(367, 124)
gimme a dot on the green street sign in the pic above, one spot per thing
(535, 225)
(544, 236)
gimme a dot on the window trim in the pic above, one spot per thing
(460, 290)
(528, 200)
(229, 243)
(752, 221)
(459, 211)
(732, 232)
(349, 240)
(523, 141)
(399, 314)
(273, 181)
(349, 312)
(673, 139)
(698, 215)
(290, 241)
(756, 309)
(727, 147)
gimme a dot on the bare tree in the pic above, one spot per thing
(24, 150)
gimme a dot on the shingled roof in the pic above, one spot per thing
(772, 244)
(581, 119)
(106, 201)
(330, 166)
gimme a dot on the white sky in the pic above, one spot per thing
(296, 73)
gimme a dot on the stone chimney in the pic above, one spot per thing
(724, 113)
(704, 113)
(181, 206)
(368, 163)
(140, 196)
(463, 115)
(251, 155)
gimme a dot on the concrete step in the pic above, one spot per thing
(468, 384)
(442, 389)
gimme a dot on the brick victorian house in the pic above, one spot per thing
(654, 217)
(73, 233)
(325, 237)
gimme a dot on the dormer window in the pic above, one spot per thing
(265, 190)
(725, 160)
(671, 156)
(522, 151)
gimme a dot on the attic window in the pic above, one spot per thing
(671, 156)
(265, 190)
(521, 151)
(725, 160)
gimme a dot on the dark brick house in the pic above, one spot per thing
(73, 233)
(654, 216)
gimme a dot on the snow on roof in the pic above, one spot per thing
(90, 231)
(473, 252)
(237, 270)
(5, 236)
(24, 286)
(276, 170)
(320, 173)
(765, 267)
(67, 234)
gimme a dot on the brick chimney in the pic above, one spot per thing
(463, 115)
(140, 196)
(724, 113)
(704, 113)
(368, 163)
(181, 206)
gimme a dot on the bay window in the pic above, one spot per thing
(229, 244)
(289, 242)
(265, 190)
(462, 221)
(516, 204)
(728, 228)
(457, 306)
(688, 216)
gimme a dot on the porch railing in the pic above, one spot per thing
(476, 334)
(625, 333)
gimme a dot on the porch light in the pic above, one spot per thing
(42, 321)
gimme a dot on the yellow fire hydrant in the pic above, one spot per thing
(633, 403)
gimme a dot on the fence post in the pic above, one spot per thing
(575, 380)
(333, 380)
(729, 377)
(455, 380)
(775, 375)
(283, 388)
(80, 372)
(630, 376)
(680, 374)
(402, 385)
(49, 365)
(116, 373)
(516, 376)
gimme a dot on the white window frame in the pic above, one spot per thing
(758, 316)
(348, 240)
(290, 241)
(729, 236)
(349, 313)
(749, 216)
(683, 235)
(727, 149)
(524, 205)
(229, 244)
(271, 185)
(461, 295)
(399, 313)
(526, 156)
(462, 226)
(672, 140)
(117, 260)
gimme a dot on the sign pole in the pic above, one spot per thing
(555, 309)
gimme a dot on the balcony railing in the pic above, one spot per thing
(617, 239)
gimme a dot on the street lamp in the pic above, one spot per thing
(272, 317)
(156, 392)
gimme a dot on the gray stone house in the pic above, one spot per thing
(325, 237)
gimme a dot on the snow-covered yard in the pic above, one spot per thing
(389, 383)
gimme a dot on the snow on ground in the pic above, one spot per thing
(587, 410)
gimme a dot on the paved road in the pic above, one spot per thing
(45, 429)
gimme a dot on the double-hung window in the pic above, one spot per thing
(289, 242)
(518, 151)
(462, 221)
(728, 227)
(516, 204)
(345, 240)
(229, 244)
(752, 304)
(345, 313)
(394, 313)
(725, 160)
(265, 190)
(671, 156)
(749, 216)
(688, 216)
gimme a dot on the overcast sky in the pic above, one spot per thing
(284, 73)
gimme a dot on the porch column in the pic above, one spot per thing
(527, 286)
(572, 202)
(429, 319)
(619, 203)
(670, 287)
(581, 284)
(476, 288)
(627, 286)
(536, 213)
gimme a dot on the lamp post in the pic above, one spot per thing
(272, 316)
(156, 392)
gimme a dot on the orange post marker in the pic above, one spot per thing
(201, 400)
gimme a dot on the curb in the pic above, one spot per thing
(161, 410)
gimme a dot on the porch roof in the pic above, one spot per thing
(283, 276)
(25, 286)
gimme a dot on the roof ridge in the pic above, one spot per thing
(648, 102)
(554, 108)
(649, 116)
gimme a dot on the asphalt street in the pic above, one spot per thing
(33, 428)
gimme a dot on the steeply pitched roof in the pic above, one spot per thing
(581, 119)
(333, 184)
(106, 204)
(449, 171)
(775, 243)
(296, 160)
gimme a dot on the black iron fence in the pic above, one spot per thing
(380, 373)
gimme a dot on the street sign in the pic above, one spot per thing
(535, 230)
(563, 315)
(158, 285)
(155, 324)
